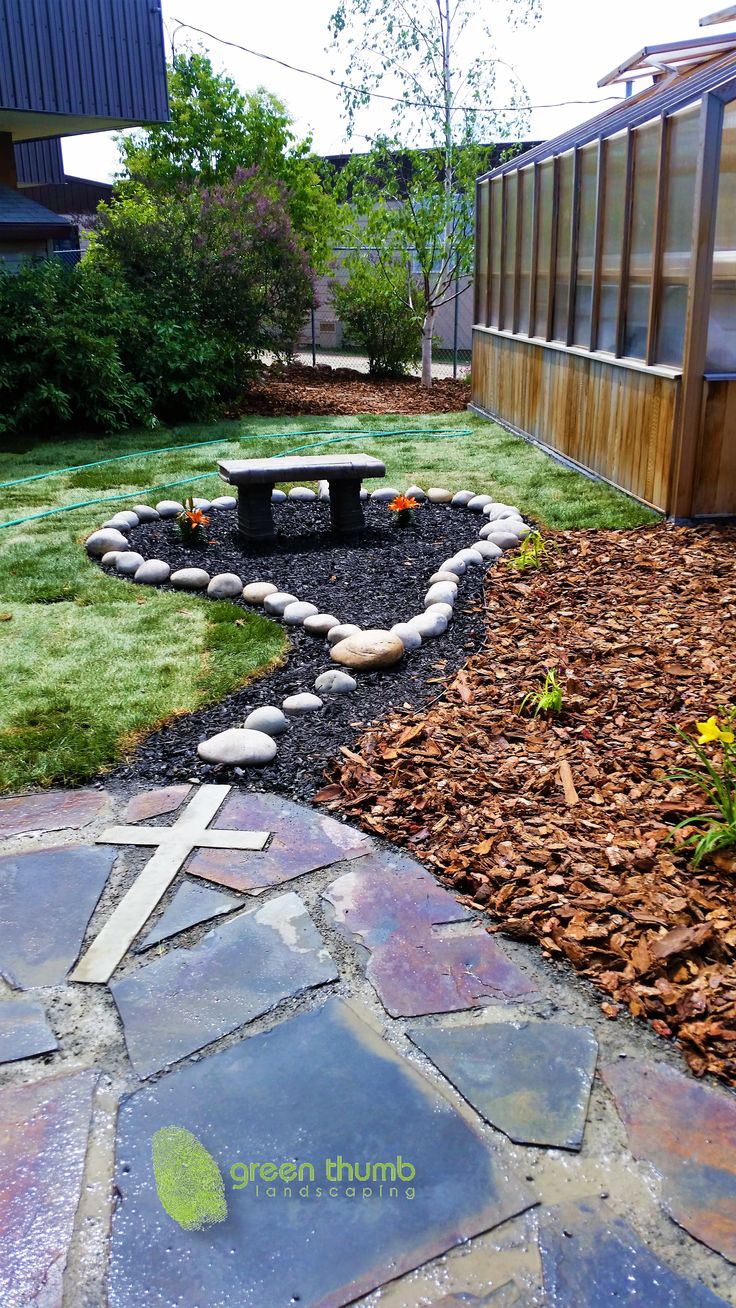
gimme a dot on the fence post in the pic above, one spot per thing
(455, 328)
(314, 339)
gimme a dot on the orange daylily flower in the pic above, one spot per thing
(402, 503)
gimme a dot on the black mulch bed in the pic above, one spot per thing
(375, 578)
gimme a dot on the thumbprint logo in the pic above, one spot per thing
(188, 1180)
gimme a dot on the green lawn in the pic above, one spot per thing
(89, 663)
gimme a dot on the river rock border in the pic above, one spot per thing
(352, 648)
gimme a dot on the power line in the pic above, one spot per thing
(378, 95)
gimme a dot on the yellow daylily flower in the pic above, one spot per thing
(710, 731)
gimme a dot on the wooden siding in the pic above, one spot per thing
(615, 420)
(715, 475)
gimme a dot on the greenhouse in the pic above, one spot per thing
(605, 295)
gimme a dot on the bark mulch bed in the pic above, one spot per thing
(560, 828)
(297, 389)
(375, 578)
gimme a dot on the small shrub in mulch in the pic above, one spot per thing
(296, 390)
(560, 826)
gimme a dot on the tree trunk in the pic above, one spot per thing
(427, 332)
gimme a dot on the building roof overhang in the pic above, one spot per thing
(29, 125)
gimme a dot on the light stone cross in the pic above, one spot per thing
(175, 844)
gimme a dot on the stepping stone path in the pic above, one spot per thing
(355, 1093)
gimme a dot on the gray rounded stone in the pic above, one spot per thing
(506, 539)
(335, 682)
(276, 602)
(409, 636)
(375, 648)
(363, 493)
(303, 703)
(445, 609)
(278, 496)
(146, 513)
(269, 718)
(478, 503)
(384, 494)
(201, 504)
(126, 520)
(169, 508)
(456, 565)
(320, 624)
(342, 631)
(226, 585)
(129, 563)
(294, 614)
(443, 592)
(489, 550)
(190, 579)
(462, 498)
(110, 559)
(257, 591)
(470, 556)
(109, 538)
(417, 494)
(323, 491)
(514, 525)
(224, 502)
(153, 572)
(429, 624)
(438, 495)
(238, 747)
(495, 510)
(302, 493)
(452, 577)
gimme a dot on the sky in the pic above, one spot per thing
(561, 58)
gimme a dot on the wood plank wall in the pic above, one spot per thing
(715, 471)
(616, 421)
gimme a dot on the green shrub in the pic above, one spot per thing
(377, 321)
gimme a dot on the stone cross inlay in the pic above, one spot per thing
(174, 845)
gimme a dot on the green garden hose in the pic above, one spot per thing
(439, 433)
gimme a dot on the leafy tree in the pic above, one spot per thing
(376, 319)
(436, 58)
(214, 131)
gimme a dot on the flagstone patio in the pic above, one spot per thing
(382, 1103)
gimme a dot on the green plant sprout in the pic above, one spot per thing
(716, 779)
(547, 698)
(532, 553)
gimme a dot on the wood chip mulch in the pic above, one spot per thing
(560, 828)
(298, 390)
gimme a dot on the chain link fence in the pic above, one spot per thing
(324, 340)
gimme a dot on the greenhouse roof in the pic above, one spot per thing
(676, 56)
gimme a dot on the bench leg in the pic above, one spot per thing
(346, 510)
(255, 517)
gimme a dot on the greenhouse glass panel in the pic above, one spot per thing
(682, 159)
(509, 253)
(646, 164)
(546, 190)
(586, 243)
(613, 235)
(721, 356)
(527, 215)
(564, 227)
(496, 210)
(482, 262)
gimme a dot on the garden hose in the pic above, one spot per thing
(439, 433)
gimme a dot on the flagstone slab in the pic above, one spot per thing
(392, 906)
(688, 1133)
(191, 905)
(316, 1086)
(155, 803)
(24, 1030)
(531, 1080)
(44, 1129)
(182, 1002)
(592, 1256)
(47, 897)
(52, 810)
(303, 840)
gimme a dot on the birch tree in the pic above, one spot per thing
(428, 69)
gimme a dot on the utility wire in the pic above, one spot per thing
(379, 95)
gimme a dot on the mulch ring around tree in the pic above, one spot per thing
(559, 828)
(285, 391)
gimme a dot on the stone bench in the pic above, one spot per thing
(256, 478)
